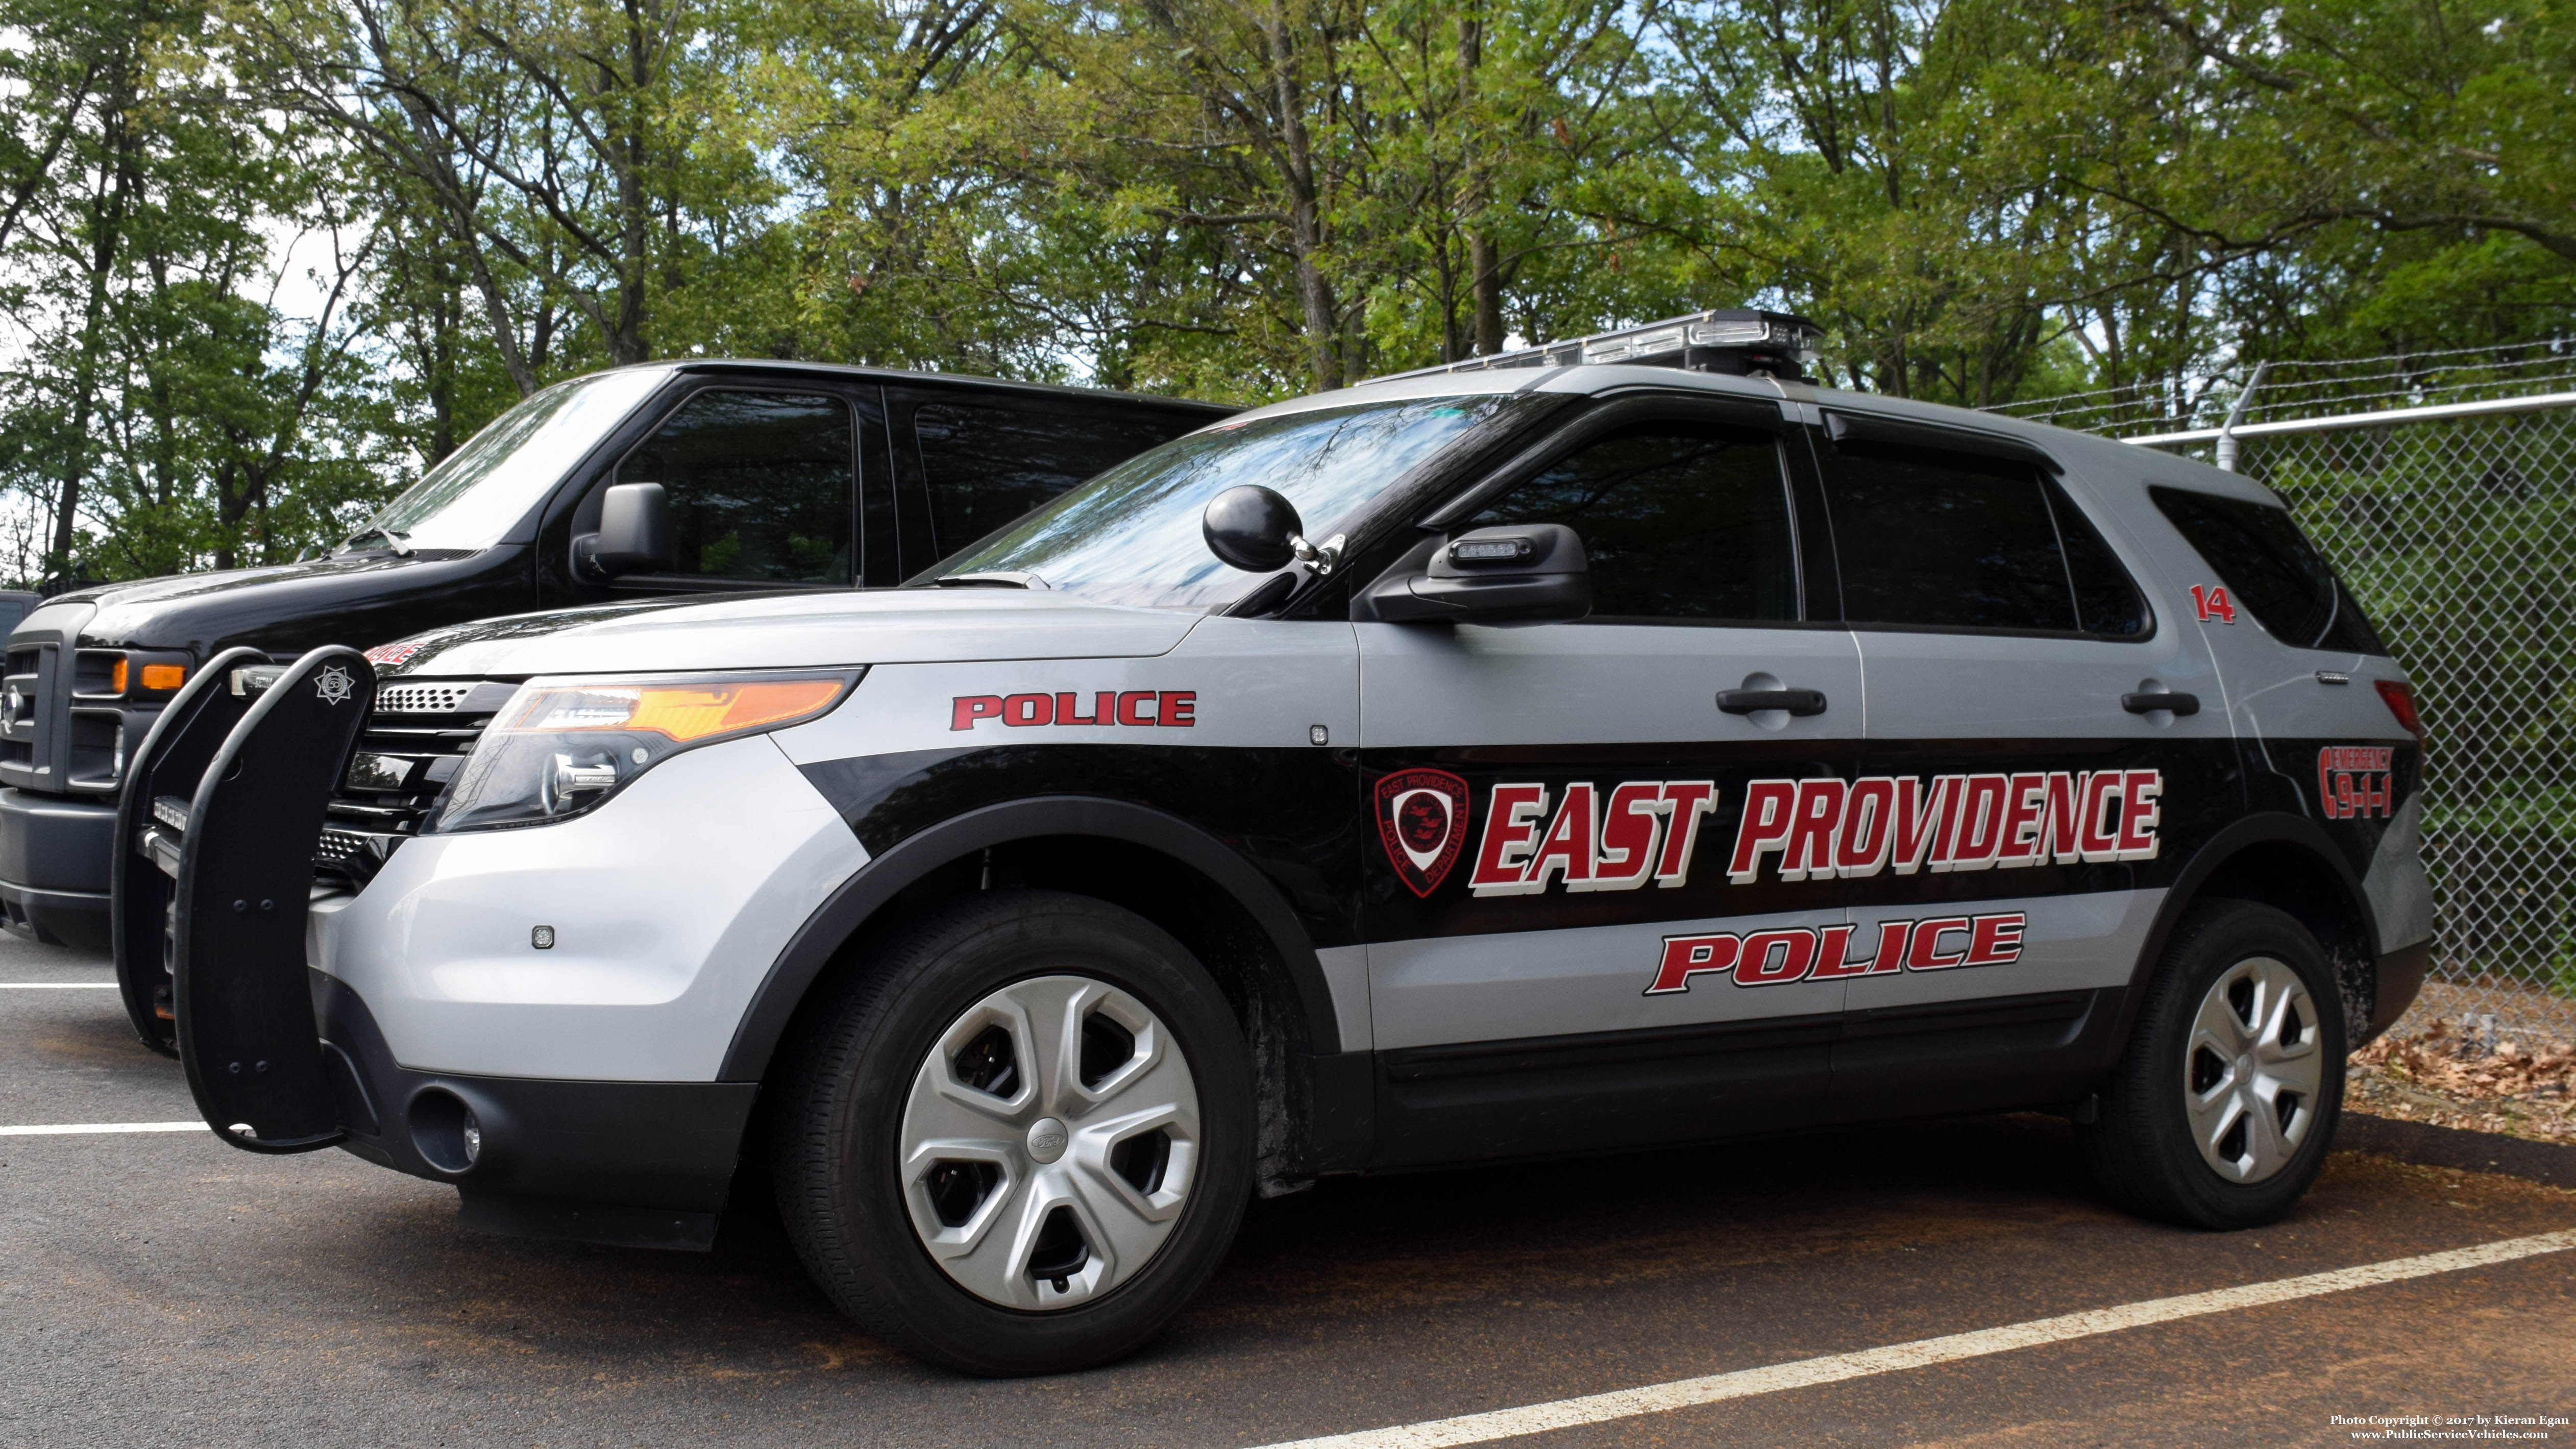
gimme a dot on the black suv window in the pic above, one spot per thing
(1679, 520)
(987, 465)
(759, 483)
(1952, 541)
(2271, 569)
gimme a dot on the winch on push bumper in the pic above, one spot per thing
(218, 825)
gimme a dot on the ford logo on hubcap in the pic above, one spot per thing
(1046, 1139)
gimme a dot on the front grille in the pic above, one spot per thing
(422, 698)
(417, 737)
(22, 721)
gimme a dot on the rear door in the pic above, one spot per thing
(1571, 943)
(967, 463)
(2008, 649)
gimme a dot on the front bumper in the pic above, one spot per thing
(642, 1164)
(54, 856)
(589, 1063)
(663, 911)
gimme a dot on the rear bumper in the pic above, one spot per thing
(2401, 976)
(54, 857)
(643, 1164)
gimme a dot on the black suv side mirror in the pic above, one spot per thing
(634, 532)
(1529, 573)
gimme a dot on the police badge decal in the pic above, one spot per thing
(1422, 821)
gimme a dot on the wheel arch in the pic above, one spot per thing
(2290, 863)
(1235, 899)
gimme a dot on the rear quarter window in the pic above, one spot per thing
(2271, 570)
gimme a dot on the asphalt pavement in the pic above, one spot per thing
(163, 1288)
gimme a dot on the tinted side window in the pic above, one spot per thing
(759, 484)
(1678, 521)
(2272, 570)
(2106, 602)
(1925, 540)
(986, 465)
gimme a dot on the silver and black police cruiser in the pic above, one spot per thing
(1641, 746)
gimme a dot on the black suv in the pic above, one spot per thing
(661, 479)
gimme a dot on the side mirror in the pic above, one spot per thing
(1531, 573)
(1252, 528)
(634, 532)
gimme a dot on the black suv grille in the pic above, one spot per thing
(22, 722)
(416, 739)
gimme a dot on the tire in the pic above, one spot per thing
(971, 1169)
(2206, 1122)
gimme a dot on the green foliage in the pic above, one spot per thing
(268, 258)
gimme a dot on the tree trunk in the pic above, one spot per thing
(106, 239)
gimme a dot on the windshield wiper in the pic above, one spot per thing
(393, 538)
(997, 579)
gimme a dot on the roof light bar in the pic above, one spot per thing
(1733, 340)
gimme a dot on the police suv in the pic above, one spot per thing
(1613, 744)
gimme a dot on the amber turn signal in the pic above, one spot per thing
(155, 676)
(682, 712)
(116, 678)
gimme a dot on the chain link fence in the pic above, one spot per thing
(2444, 488)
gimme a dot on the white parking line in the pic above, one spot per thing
(1803, 1373)
(57, 986)
(77, 1129)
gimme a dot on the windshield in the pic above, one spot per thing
(473, 498)
(1131, 535)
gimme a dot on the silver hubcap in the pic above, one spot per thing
(1048, 1143)
(2251, 1072)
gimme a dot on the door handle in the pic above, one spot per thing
(1795, 701)
(2180, 704)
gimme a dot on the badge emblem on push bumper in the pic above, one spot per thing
(1422, 821)
(333, 685)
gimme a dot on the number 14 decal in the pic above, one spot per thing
(2213, 603)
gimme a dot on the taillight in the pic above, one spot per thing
(2400, 699)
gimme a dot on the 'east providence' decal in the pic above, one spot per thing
(1641, 829)
(1422, 822)
(1592, 839)
(1813, 953)
(1821, 829)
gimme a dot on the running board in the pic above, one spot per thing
(244, 1001)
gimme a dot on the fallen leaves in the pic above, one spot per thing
(2473, 1076)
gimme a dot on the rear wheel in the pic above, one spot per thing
(1020, 1140)
(2224, 1104)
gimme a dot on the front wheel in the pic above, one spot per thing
(1020, 1139)
(2222, 1108)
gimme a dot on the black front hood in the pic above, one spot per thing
(288, 608)
(401, 656)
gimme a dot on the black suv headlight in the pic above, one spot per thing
(562, 746)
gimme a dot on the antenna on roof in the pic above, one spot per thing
(1736, 340)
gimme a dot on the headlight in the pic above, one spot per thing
(561, 746)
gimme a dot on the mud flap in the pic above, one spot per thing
(245, 1027)
(172, 759)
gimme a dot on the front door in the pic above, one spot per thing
(1574, 938)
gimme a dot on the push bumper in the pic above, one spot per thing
(641, 1164)
(54, 854)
